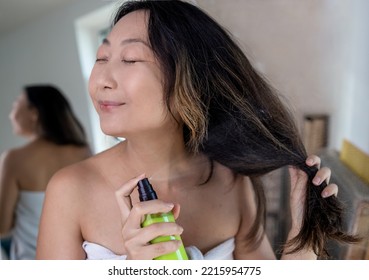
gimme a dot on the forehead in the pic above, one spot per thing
(132, 25)
(22, 99)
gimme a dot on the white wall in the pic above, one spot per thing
(314, 51)
(358, 129)
(44, 51)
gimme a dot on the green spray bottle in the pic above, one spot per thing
(146, 192)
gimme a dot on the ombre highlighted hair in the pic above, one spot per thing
(231, 113)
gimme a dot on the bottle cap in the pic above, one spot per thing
(145, 190)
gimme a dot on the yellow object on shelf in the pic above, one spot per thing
(356, 159)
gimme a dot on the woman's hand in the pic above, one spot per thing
(297, 201)
(136, 240)
(298, 189)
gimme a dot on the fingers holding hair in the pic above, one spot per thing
(322, 175)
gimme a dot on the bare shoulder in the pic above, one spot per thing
(83, 175)
(242, 195)
(60, 224)
(9, 159)
(70, 205)
(10, 155)
(75, 177)
(249, 211)
(6, 157)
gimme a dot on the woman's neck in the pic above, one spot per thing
(33, 137)
(166, 161)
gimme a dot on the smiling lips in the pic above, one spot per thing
(109, 105)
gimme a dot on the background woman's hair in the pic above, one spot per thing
(57, 122)
(230, 113)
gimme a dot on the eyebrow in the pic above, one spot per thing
(128, 41)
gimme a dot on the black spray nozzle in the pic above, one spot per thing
(145, 190)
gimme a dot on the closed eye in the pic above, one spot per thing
(130, 61)
(101, 59)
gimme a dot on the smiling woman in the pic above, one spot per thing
(203, 125)
(125, 83)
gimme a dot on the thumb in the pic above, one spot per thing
(123, 196)
(176, 209)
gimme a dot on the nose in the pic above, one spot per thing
(12, 114)
(14, 108)
(103, 76)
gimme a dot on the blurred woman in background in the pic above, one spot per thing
(56, 138)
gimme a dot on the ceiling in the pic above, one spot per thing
(15, 13)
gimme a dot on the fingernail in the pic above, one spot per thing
(169, 205)
(316, 181)
(310, 162)
(325, 194)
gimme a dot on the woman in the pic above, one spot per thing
(202, 125)
(55, 139)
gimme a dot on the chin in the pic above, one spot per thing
(112, 131)
(18, 132)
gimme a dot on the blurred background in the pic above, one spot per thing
(315, 52)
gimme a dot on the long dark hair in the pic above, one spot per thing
(231, 113)
(57, 122)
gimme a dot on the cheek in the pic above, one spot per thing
(157, 115)
(18, 121)
(92, 89)
(16, 115)
(149, 103)
(92, 83)
(145, 87)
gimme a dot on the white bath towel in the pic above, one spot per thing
(223, 251)
(25, 231)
